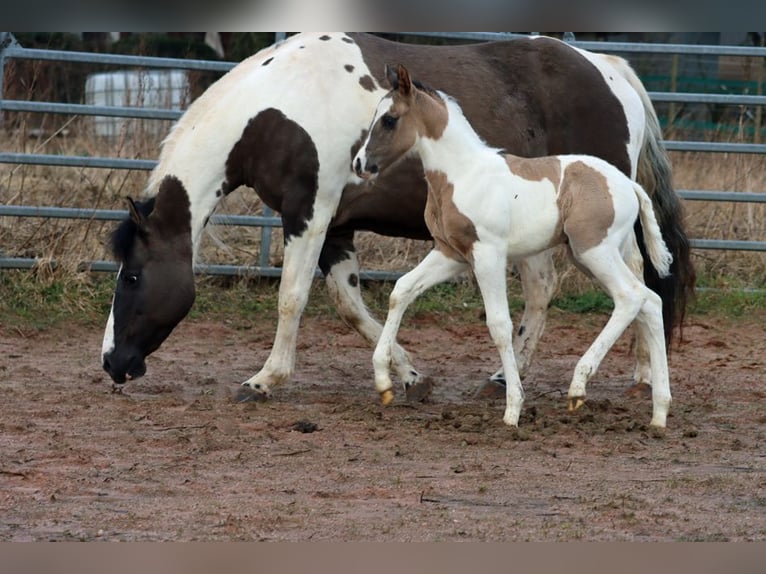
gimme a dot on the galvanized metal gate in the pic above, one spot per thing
(9, 49)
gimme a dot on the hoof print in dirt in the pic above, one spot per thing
(639, 391)
(305, 426)
(247, 395)
(491, 390)
(420, 391)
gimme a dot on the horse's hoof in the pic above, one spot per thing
(575, 403)
(386, 397)
(246, 394)
(492, 389)
(420, 391)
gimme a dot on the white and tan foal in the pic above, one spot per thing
(484, 207)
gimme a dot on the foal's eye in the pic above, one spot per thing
(388, 121)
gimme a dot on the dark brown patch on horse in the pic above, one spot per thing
(435, 115)
(349, 68)
(267, 62)
(367, 83)
(325, 37)
(278, 158)
(452, 231)
(585, 205)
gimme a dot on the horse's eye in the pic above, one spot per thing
(388, 121)
(130, 278)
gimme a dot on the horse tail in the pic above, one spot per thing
(658, 251)
(654, 174)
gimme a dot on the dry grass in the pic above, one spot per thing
(71, 242)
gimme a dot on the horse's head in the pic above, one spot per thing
(395, 127)
(155, 284)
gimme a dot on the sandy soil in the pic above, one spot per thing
(173, 458)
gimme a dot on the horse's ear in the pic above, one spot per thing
(403, 80)
(135, 213)
(393, 77)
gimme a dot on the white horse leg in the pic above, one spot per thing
(628, 294)
(301, 254)
(490, 270)
(643, 372)
(435, 268)
(650, 326)
(343, 285)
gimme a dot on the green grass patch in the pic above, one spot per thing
(29, 300)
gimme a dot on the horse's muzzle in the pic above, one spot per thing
(368, 172)
(123, 367)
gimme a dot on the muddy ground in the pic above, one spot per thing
(172, 458)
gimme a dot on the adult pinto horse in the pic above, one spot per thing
(287, 122)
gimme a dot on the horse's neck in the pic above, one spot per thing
(458, 144)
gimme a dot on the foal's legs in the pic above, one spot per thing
(490, 269)
(435, 268)
(632, 299)
(538, 284)
(643, 372)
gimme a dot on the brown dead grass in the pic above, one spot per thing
(71, 242)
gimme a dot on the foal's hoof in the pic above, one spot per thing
(575, 403)
(492, 389)
(420, 391)
(386, 397)
(247, 394)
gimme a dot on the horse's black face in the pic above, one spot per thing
(155, 285)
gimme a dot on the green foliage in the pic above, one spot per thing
(587, 302)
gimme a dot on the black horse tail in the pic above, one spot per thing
(655, 175)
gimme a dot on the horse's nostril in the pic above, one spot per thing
(107, 364)
(373, 169)
(358, 166)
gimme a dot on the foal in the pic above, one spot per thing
(484, 207)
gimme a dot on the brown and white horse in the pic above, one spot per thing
(288, 120)
(485, 207)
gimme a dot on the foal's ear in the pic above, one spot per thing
(403, 81)
(393, 77)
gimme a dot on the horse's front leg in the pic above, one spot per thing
(435, 268)
(301, 253)
(489, 268)
(340, 266)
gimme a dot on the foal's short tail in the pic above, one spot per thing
(656, 248)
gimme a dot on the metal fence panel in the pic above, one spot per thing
(10, 49)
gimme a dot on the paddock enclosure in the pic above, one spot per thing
(172, 457)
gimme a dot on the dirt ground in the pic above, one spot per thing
(173, 458)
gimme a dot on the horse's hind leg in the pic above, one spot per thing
(649, 324)
(340, 266)
(539, 281)
(628, 294)
(642, 374)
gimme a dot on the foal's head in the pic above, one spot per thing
(408, 112)
(155, 286)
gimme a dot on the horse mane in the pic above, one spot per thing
(124, 237)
